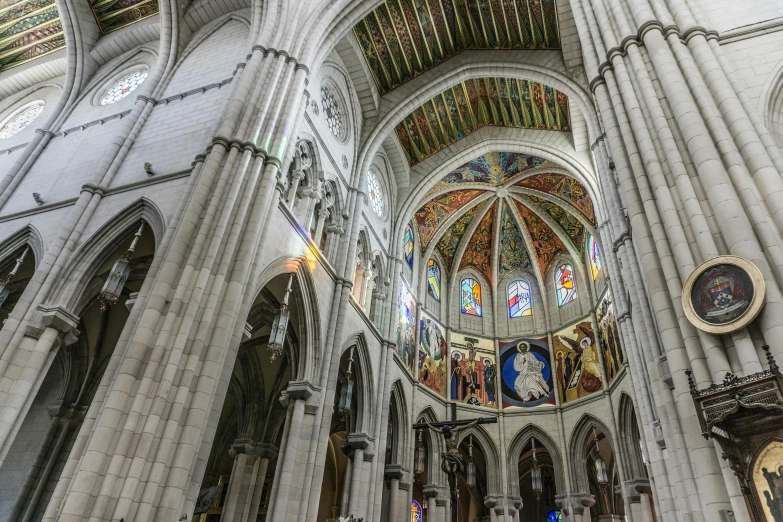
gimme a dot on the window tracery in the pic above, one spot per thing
(375, 193)
(471, 297)
(519, 302)
(123, 87)
(21, 119)
(332, 112)
(565, 284)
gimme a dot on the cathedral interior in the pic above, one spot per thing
(391, 260)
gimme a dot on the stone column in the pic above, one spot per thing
(296, 178)
(247, 480)
(357, 502)
(393, 474)
(323, 213)
(637, 493)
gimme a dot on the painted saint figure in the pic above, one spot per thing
(530, 383)
(489, 379)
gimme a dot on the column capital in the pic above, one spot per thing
(394, 471)
(266, 450)
(55, 317)
(356, 441)
(634, 489)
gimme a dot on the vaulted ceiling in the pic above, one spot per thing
(510, 199)
(116, 14)
(404, 38)
(28, 30)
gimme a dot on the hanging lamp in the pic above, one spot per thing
(280, 325)
(115, 281)
(5, 282)
(471, 468)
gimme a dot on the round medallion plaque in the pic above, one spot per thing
(723, 294)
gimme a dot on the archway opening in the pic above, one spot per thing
(537, 486)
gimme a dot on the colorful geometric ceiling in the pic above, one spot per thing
(116, 14)
(28, 30)
(404, 38)
(493, 168)
(516, 250)
(477, 103)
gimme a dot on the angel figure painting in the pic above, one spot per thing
(432, 356)
(526, 373)
(577, 365)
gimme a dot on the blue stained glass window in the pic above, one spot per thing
(416, 512)
(595, 257)
(471, 297)
(519, 303)
(565, 284)
(554, 516)
(433, 279)
(408, 241)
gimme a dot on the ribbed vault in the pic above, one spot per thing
(28, 29)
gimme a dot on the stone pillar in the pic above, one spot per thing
(296, 178)
(247, 480)
(393, 474)
(637, 494)
(357, 502)
(323, 213)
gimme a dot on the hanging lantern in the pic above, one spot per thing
(346, 391)
(115, 281)
(280, 325)
(600, 466)
(538, 483)
(470, 478)
(419, 457)
(5, 282)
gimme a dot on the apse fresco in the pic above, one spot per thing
(406, 343)
(493, 168)
(768, 480)
(608, 336)
(526, 375)
(478, 253)
(116, 14)
(570, 225)
(473, 371)
(28, 30)
(545, 242)
(390, 35)
(476, 103)
(577, 367)
(449, 242)
(565, 188)
(432, 355)
(432, 215)
(513, 254)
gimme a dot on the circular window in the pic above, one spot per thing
(123, 87)
(21, 119)
(375, 192)
(332, 112)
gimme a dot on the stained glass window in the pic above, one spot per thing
(433, 279)
(21, 119)
(565, 284)
(595, 257)
(519, 303)
(408, 241)
(416, 512)
(123, 87)
(471, 297)
(375, 193)
(554, 516)
(332, 112)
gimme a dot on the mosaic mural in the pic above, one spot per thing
(577, 367)
(570, 225)
(449, 242)
(28, 30)
(116, 14)
(478, 253)
(406, 340)
(472, 104)
(513, 254)
(608, 337)
(473, 371)
(767, 479)
(526, 377)
(432, 215)
(545, 242)
(432, 355)
(494, 168)
(564, 187)
(402, 39)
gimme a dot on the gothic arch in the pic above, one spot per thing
(771, 103)
(482, 438)
(399, 411)
(27, 235)
(363, 390)
(70, 287)
(629, 435)
(577, 449)
(518, 444)
(435, 445)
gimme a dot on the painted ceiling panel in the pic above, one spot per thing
(478, 252)
(116, 14)
(479, 102)
(570, 225)
(513, 254)
(404, 38)
(493, 168)
(432, 215)
(546, 244)
(449, 242)
(564, 187)
(28, 30)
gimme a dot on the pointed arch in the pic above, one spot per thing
(517, 446)
(363, 388)
(578, 450)
(435, 445)
(491, 455)
(630, 437)
(27, 235)
(399, 413)
(70, 288)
